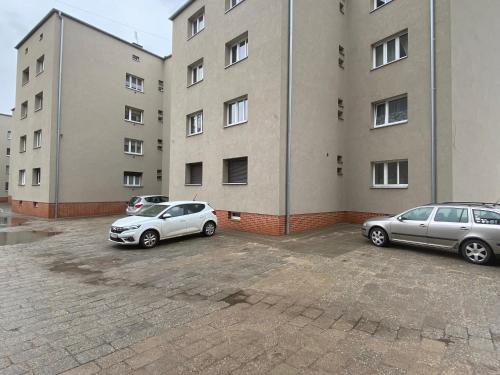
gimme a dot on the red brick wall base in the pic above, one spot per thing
(4, 199)
(274, 225)
(81, 209)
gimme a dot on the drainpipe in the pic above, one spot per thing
(433, 103)
(289, 118)
(58, 119)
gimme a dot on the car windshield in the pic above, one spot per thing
(152, 211)
(133, 201)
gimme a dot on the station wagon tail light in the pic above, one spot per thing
(138, 205)
(214, 212)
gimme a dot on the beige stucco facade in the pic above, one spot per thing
(5, 138)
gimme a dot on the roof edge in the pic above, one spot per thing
(57, 11)
(181, 9)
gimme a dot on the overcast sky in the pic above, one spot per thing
(119, 17)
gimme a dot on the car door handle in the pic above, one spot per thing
(464, 228)
(423, 226)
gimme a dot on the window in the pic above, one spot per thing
(26, 51)
(37, 139)
(160, 86)
(22, 177)
(36, 176)
(6, 186)
(340, 111)
(158, 175)
(236, 171)
(237, 112)
(418, 214)
(341, 56)
(233, 215)
(230, 4)
(194, 173)
(391, 112)
(38, 101)
(195, 123)
(8, 151)
(486, 217)
(237, 50)
(9, 135)
(134, 83)
(160, 145)
(452, 215)
(390, 50)
(342, 6)
(160, 116)
(134, 115)
(24, 110)
(26, 76)
(136, 58)
(133, 146)
(40, 64)
(194, 208)
(379, 3)
(132, 179)
(195, 73)
(340, 172)
(177, 211)
(197, 23)
(7, 170)
(41, 37)
(22, 144)
(390, 174)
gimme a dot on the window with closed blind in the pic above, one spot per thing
(194, 173)
(236, 171)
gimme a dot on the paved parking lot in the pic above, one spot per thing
(319, 303)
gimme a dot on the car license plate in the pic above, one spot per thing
(114, 235)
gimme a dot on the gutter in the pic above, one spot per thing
(433, 102)
(289, 118)
(58, 118)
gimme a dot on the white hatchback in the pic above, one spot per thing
(164, 220)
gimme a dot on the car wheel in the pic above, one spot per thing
(379, 237)
(476, 251)
(209, 229)
(149, 239)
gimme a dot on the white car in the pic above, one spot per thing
(164, 220)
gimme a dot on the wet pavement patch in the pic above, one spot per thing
(14, 238)
(236, 298)
(9, 221)
(73, 267)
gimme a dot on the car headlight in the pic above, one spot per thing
(364, 225)
(132, 227)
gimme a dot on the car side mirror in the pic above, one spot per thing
(400, 218)
(166, 216)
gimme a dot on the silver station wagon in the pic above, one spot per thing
(471, 229)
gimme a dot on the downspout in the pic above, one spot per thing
(433, 103)
(289, 118)
(58, 119)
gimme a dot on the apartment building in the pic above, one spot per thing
(5, 138)
(289, 115)
(88, 131)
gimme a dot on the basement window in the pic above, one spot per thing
(233, 215)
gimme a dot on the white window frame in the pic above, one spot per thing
(37, 139)
(129, 115)
(132, 179)
(386, 184)
(39, 98)
(37, 181)
(24, 110)
(386, 121)
(139, 145)
(384, 43)
(237, 103)
(196, 73)
(9, 135)
(138, 86)
(375, 7)
(23, 140)
(197, 24)
(196, 119)
(233, 3)
(40, 65)
(238, 54)
(235, 215)
(23, 81)
(22, 177)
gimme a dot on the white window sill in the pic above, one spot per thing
(134, 122)
(194, 134)
(23, 117)
(389, 124)
(38, 109)
(133, 154)
(235, 124)
(35, 185)
(235, 219)
(377, 8)
(237, 62)
(389, 186)
(133, 186)
(389, 63)
(198, 33)
(134, 90)
(195, 83)
(235, 183)
(36, 147)
(230, 9)
(192, 184)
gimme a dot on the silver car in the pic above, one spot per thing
(136, 204)
(471, 229)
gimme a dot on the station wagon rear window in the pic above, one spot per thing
(486, 217)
